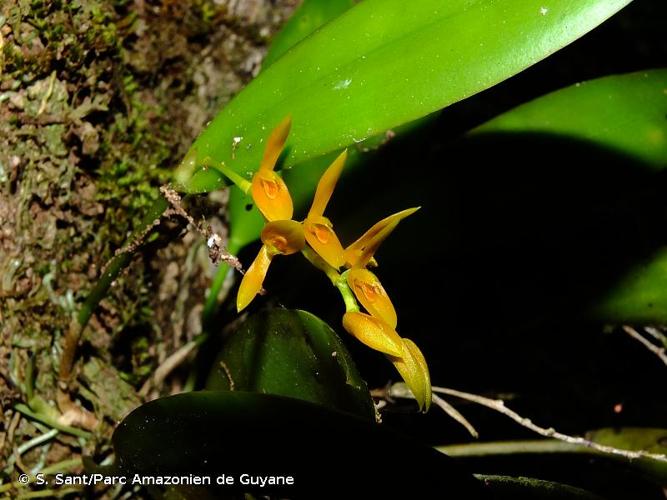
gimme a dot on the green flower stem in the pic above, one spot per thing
(351, 304)
(243, 184)
(319, 263)
(338, 280)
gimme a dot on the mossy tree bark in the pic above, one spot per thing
(99, 99)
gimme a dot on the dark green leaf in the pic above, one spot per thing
(292, 353)
(638, 438)
(624, 114)
(330, 454)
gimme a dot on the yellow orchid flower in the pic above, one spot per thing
(268, 189)
(412, 366)
(282, 237)
(319, 230)
(372, 295)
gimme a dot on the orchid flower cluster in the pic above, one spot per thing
(316, 240)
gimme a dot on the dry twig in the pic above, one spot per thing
(656, 334)
(400, 390)
(658, 351)
(216, 251)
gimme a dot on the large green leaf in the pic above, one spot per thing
(329, 454)
(291, 353)
(380, 64)
(625, 113)
(308, 18)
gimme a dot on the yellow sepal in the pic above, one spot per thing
(361, 252)
(373, 332)
(275, 144)
(253, 279)
(326, 186)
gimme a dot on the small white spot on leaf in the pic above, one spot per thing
(343, 84)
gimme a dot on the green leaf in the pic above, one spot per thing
(639, 297)
(625, 113)
(329, 454)
(653, 440)
(308, 18)
(381, 64)
(292, 353)
(527, 488)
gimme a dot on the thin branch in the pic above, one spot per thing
(656, 334)
(658, 351)
(454, 413)
(216, 250)
(400, 390)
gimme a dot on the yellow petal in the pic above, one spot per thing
(412, 367)
(359, 253)
(326, 186)
(253, 279)
(372, 295)
(275, 144)
(373, 332)
(283, 237)
(270, 194)
(321, 237)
